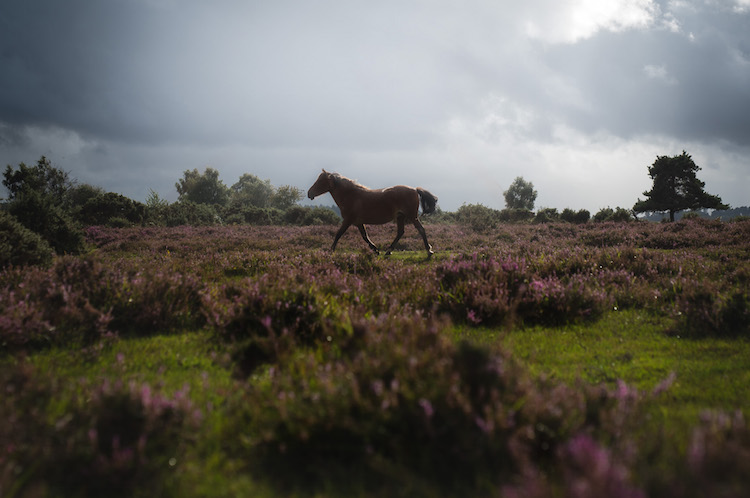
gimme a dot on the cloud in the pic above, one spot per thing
(571, 22)
(129, 94)
(659, 73)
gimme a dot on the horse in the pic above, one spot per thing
(360, 205)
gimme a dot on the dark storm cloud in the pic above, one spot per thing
(692, 84)
(62, 65)
(383, 88)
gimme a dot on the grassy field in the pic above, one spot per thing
(527, 360)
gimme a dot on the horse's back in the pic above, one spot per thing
(384, 205)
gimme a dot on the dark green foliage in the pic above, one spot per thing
(37, 201)
(480, 218)
(547, 215)
(516, 215)
(617, 215)
(520, 195)
(39, 214)
(305, 216)
(285, 197)
(578, 217)
(203, 188)
(21, 246)
(252, 191)
(253, 215)
(79, 194)
(111, 209)
(676, 187)
(190, 213)
(42, 178)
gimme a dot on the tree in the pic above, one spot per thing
(285, 197)
(44, 179)
(251, 190)
(203, 188)
(38, 201)
(676, 187)
(520, 195)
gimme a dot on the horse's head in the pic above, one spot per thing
(323, 184)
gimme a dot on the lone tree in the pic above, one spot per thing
(676, 188)
(520, 195)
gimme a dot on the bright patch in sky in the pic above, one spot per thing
(576, 96)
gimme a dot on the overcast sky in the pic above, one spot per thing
(457, 96)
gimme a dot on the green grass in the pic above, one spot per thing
(633, 346)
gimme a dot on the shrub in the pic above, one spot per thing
(189, 213)
(515, 215)
(478, 217)
(580, 217)
(111, 209)
(21, 246)
(40, 215)
(618, 214)
(705, 310)
(305, 215)
(396, 398)
(398, 395)
(254, 215)
(546, 215)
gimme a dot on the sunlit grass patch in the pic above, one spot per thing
(633, 346)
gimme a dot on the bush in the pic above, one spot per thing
(571, 216)
(305, 216)
(253, 215)
(480, 218)
(619, 214)
(112, 209)
(189, 213)
(515, 215)
(704, 310)
(21, 246)
(546, 215)
(37, 213)
(395, 406)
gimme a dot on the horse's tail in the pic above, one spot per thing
(428, 201)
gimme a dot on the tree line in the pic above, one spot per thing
(46, 208)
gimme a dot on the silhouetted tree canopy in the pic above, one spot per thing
(676, 187)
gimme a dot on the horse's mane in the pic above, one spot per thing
(348, 182)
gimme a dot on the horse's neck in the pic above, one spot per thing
(344, 192)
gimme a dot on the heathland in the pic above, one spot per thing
(601, 359)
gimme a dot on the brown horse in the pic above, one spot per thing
(360, 205)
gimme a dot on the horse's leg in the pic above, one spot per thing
(341, 231)
(399, 233)
(420, 229)
(363, 231)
